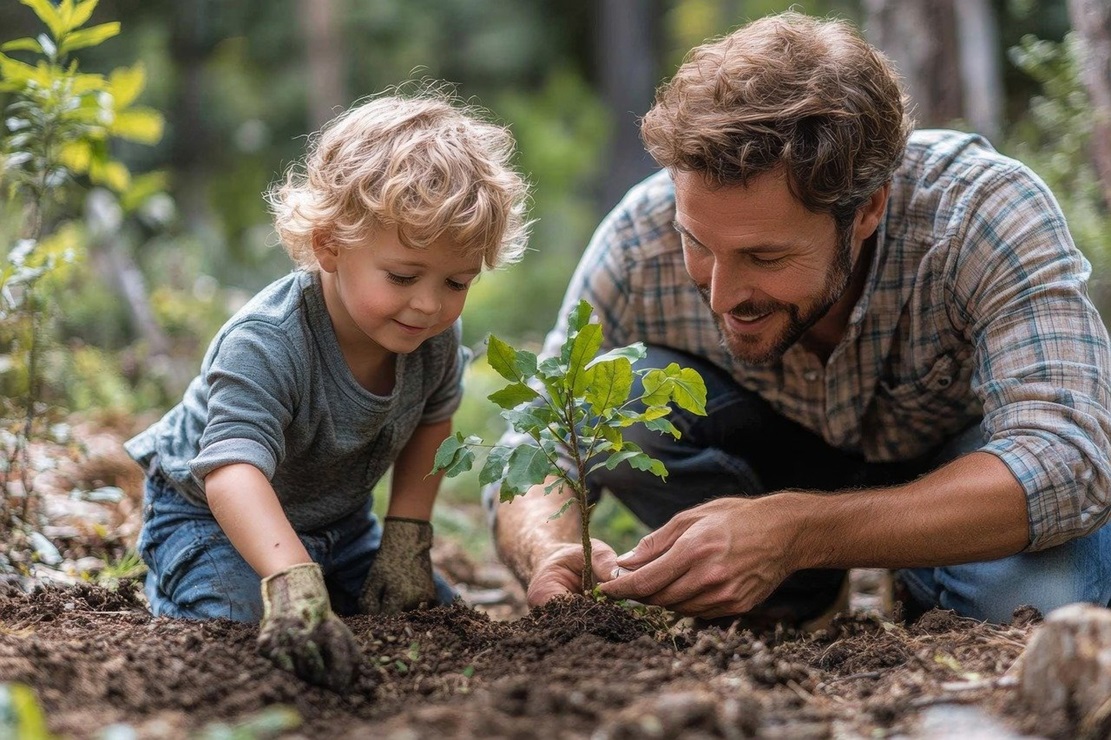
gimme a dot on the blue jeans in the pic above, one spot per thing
(744, 447)
(195, 572)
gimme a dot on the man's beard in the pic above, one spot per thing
(747, 350)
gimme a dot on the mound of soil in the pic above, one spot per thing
(573, 669)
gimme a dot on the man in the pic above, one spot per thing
(904, 370)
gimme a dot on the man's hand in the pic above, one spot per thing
(300, 633)
(560, 572)
(718, 559)
(401, 577)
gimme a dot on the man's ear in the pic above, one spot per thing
(868, 216)
(325, 250)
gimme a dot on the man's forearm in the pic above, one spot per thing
(524, 531)
(972, 509)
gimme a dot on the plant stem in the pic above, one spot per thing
(579, 488)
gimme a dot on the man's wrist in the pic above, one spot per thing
(799, 517)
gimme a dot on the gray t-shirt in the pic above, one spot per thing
(274, 391)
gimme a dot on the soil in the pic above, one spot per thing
(574, 668)
(101, 666)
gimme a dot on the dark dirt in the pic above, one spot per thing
(96, 660)
(573, 669)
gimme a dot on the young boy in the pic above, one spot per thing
(258, 496)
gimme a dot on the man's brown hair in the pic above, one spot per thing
(787, 91)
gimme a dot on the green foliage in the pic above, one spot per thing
(578, 419)
(20, 713)
(57, 129)
(1054, 138)
(129, 566)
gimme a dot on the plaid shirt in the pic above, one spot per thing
(975, 308)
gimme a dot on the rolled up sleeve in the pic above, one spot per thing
(1042, 355)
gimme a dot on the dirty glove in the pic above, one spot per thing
(401, 577)
(300, 633)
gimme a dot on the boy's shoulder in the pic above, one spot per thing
(283, 312)
(277, 301)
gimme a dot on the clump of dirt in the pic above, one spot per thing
(574, 668)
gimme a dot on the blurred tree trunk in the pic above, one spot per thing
(327, 89)
(920, 37)
(1091, 19)
(191, 145)
(626, 60)
(981, 72)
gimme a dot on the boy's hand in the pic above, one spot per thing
(401, 577)
(300, 633)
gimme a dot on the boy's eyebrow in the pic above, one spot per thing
(425, 265)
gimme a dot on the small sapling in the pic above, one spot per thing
(576, 422)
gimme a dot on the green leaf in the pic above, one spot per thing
(125, 84)
(111, 173)
(81, 13)
(636, 458)
(633, 353)
(579, 316)
(529, 420)
(612, 435)
(446, 452)
(663, 425)
(513, 395)
(511, 364)
(143, 125)
(48, 14)
(143, 187)
(91, 36)
(610, 385)
(689, 390)
(20, 712)
(461, 463)
(493, 470)
(527, 466)
(551, 369)
(562, 509)
(584, 346)
(24, 44)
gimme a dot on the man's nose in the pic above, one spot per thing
(728, 288)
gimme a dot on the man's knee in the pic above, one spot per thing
(1077, 571)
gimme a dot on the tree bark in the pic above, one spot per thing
(626, 61)
(928, 62)
(324, 55)
(1091, 20)
(981, 72)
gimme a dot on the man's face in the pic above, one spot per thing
(767, 267)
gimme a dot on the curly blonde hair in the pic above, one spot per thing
(424, 163)
(788, 91)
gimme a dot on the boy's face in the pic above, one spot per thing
(383, 295)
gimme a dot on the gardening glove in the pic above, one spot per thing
(401, 577)
(300, 633)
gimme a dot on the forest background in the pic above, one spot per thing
(154, 248)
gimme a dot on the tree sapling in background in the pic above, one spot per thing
(579, 417)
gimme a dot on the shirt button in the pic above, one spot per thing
(810, 376)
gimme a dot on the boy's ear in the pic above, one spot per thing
(325, 250)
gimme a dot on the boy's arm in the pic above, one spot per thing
(401, 576)
(413, 491)
(299, 632)
(247, 509)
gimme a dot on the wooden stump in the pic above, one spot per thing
(1066, 672)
